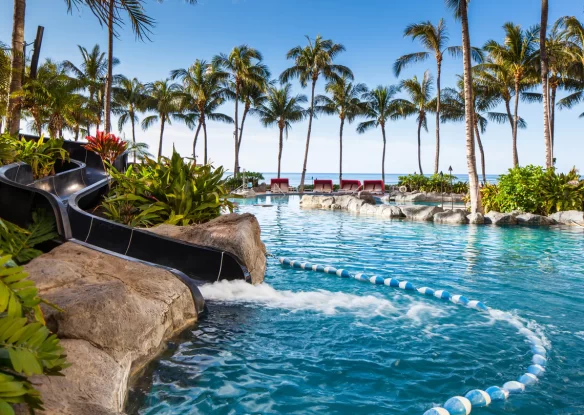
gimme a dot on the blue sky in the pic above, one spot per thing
(372, 32)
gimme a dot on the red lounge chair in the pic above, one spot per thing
(350, 186)
(323, 186)
(374, 186)
(279, 185)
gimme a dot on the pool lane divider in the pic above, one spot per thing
(476, 398)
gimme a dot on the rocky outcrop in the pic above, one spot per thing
(420, 213)
(367, 197)
(569, 217)
(497, 218)
(454, 217)
(475, 218)
(233, 233)
(529, 219)
(117, 315)
(428, 197)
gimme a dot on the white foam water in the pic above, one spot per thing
(323, 301)
(532, 331)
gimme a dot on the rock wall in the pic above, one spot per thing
(233, 233)
(117, 315)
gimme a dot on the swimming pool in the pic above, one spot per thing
(314, 343)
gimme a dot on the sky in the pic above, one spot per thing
(371, 31)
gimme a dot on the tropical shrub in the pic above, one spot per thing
(536, 190)
(40, 155)
(233, 182)
(169, 191)
(19, 242)
(107, 146)
(434, 183)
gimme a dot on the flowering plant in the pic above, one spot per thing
(106, 145)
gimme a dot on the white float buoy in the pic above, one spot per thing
(497, 394)
(478, 398)
(514, 387)
(437, 411)
(458, 405)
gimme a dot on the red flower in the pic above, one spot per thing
(107, 146)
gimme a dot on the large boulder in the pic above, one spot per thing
(117, 315)
(451, 217)
(475, 218)
(390, 211)
(529, 219)
(420, 213)
(367, 197)
(569, 217)
(233, 233)
(497, 218)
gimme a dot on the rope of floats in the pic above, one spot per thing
(476, 398)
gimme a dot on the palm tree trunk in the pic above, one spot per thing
(205, 160)
(236, 132)
(383, 154)
(76, 133)
(515, 124)
(475, 194)
(480, 143)
(341, 150)
(110, 57)
(132, 121)
(437, 159)
(196, 137)
(18, 57)
(245, 111)
(553, 120)
(310, 115)
(162, 121)
(420, 147)
(544, 82)
(280, 147)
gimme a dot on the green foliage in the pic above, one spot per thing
(434, 183)
(40, 155)
(169, 191)
(232, 183)
(536, 190)
(19, 243)
(27, 346)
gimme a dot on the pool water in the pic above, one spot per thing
(312, 343)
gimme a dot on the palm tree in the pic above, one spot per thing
(165, 99)
(310, 62)
(5, 68)
(129, 97)
(544, 64)
(518, 53)
(381, 107)
(14, 104)
(243, 64)
(252, 96)
(434, 39)
(460, 8)
(282, 109)
(345, 101)
(91, 75)
(202, 84)
(420, 104)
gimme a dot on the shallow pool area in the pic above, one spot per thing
(308, 343)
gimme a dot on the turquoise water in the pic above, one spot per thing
(308, 343)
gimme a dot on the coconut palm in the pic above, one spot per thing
(460, 9)
(91, 75)
(518, 54)
(344, 101)
(381, 108)
(310, 62)
(14, 104)
(166, 100)
(252, 96)
(434, 39)
(129, 98)
(5, 67)
(544, 66)
(202, 84)
(419, 104)
(245, 68)
(282, 109)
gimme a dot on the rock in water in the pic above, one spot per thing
(233, 233)
(569, 217)
(529, 219)
(421, 213)
(367, 197)
(117, 316)
(476, 218)
(497, 218)
(451, 216)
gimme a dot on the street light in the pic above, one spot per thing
(442, 188)
(451, 196)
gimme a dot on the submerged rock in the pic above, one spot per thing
(529, 219)
(457, 216)
(497, 218)
(420, 213)
(569, 217)
(117, 315)
(233, 233)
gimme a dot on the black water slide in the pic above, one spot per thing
(77, 188)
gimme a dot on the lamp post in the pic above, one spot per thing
(451, 197)
(442, 188)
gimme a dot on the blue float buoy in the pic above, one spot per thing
(536, 370)
(437, 411)
(478, 398)
(514, 387)
(528, 379)
(458, 405)
(497, 394)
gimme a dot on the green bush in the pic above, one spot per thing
(434, 183)
(252, 177)
(40, 155)
(535, 190)
(19, 242)
(169, 191)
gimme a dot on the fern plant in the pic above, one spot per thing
(19, 242)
